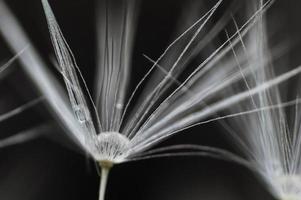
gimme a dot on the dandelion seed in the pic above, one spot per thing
(272, 147)
(107, 129)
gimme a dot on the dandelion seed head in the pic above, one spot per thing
(113, 133)
(112, 147)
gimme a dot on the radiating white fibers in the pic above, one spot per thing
(270, 140)
(22, 136)
(106, 123)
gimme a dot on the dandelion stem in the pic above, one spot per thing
(105, 170)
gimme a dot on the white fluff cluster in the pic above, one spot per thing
(271, 140)
(159, 113)
(112, 129)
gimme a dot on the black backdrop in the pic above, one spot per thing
(49, 168)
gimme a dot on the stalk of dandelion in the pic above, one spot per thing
(108, 132)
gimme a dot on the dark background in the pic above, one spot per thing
(51, 167)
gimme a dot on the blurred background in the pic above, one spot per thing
(52, 167)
